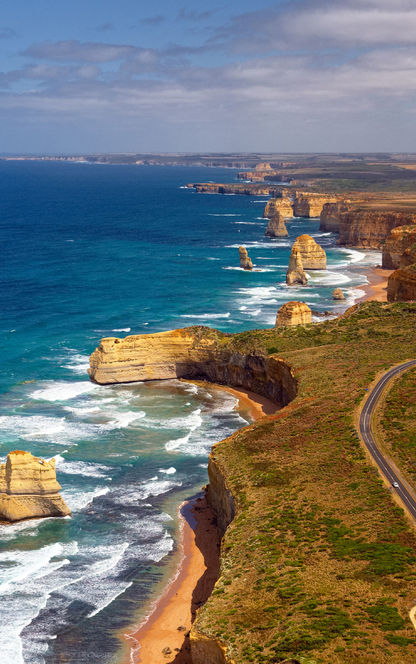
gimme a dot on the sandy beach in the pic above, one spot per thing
(164, 636)
(376, 289)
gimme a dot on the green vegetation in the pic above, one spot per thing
(398, 424)
(319, 564)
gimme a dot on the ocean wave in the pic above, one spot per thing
(78, 364)
(211, 214)
(272, 244)
(206, 316)
(168, 471)
(328, 278)
(63, 390)
(77, 500)
(86, 468)
(122, 329)
(246, 223)
(212, 258)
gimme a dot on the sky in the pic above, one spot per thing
(233, 75)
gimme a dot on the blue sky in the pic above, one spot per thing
(286, 76)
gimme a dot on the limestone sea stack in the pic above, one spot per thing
(397, 242)
(337, 294)
(293, 313)
(282, 205)
(28, 488)
(245, 261)
(276, 226)
(401, 285)
(313, 256)
(296, 273)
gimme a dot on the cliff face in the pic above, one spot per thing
(245, 261)
(312, 254)
(402, 284)
(276, 206)
(310, 205)
(293, 313)
(296, 273)
(331, 216)
(190, 353)
(276, 226)
(408, 257)
(28, 488)
(397, 242)
(368, 229)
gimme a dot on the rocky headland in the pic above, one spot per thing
(398, 241)
(310, 205)
(29, 489)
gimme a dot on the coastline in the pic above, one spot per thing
(376, 288)
(197, 573)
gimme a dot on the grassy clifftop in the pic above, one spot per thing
(319, 564)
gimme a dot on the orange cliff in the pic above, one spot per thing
(398, 241)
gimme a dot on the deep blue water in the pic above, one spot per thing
(92, 251)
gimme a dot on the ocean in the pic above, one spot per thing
(90, 251)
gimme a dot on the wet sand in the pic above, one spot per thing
(164, 636)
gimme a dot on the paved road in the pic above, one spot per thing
(367, 436)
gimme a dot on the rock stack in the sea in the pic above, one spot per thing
(28, 488)
(276, 226)
(245, 260)
(293, 313)
(337, 294)
(313, 256)
(282, 205)
(296, 273)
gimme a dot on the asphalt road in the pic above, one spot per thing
(368, 438)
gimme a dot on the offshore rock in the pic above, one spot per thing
(276, 226)
(337, 294)
(312, 254)
(401, 285)
(245, 261)
(398, 241)
(28, 488)
(310, 205)
(293, 313)
(296, 273)
(278, 205)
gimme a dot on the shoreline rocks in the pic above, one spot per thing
(28, 488)
(245, 261)
(337, 294)
(293, 313)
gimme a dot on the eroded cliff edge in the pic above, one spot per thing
(307, 562)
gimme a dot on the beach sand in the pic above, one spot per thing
(376, 289)
(158, 640)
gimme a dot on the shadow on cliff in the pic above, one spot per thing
(202, 521)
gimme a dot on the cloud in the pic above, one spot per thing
(7, 33)
(76, 51)
(189, 15)
(105, 27)
(153, 20)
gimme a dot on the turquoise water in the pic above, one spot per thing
(92, 251)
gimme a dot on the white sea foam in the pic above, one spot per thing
(77, 500)
(328, 278)
(246, 223)
(63, 390)
(122, 329)
(223, 215)
(86, 468)
(168, 471)
(78, 364)
(211, 258)
(272, 244)
(206, 316)
(124, 419)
